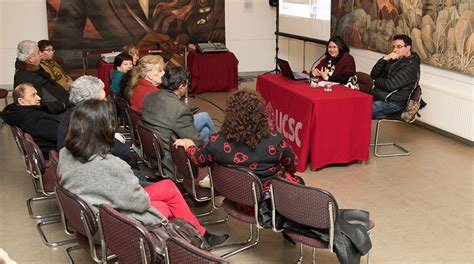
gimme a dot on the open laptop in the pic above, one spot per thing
(288, 73)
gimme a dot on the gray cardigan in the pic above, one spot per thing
(109, 181)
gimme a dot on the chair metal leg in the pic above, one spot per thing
(247, 243)
(300, 259)
(39, 228)
(376, 144)
(68, 253)
(314, 256)
(29, 203)
(215, 222)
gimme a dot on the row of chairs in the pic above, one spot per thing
(78, 219)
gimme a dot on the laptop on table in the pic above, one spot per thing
(288, 73)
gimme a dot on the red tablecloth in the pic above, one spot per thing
(325, 127)
(213, 72)
(103, 71)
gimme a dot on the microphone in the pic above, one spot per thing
(314, 63)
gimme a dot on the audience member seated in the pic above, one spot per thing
(122, 64)
(246, 140)
(48, 63)
(164, 112)
(395, 76)
(84, 88)
(146, 76)
(132, 50)
(26, 113)
(53, 95)
(87, 169)
(338, 65)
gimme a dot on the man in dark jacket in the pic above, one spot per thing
(54, 98)
(395, 77)
(26, 113)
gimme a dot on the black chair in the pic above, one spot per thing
(394, 118)
(128, 239)
(308, 206)
(76, 214)
(152, 147)
(239, 186)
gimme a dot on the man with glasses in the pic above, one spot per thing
(395, 76)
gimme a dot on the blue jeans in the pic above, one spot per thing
(381, 108)
(204, 125)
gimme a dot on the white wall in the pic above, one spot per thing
(19, 20)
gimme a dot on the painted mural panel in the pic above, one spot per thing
(442, 30)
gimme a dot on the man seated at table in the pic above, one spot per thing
(395, 76)
(28, 70)
(26, 113)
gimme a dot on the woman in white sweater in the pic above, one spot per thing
(88, 169)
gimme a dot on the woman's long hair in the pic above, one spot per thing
(91, 130)
(145, 65)
(246, 118)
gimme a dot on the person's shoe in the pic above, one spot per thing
(214, 240)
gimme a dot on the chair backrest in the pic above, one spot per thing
(416, 94)
(54, 160)
(132, 119)
(364, 81)
(181, 251)
(122, 105)
(151, 143)
(77, 214)
(183, 166)
(42, 171)
(239, 185)
(305, 205)
(19, 137)
(127, 238)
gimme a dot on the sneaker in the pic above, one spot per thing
(214, 240)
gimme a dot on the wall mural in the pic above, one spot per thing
(442, 30)
(153, 24)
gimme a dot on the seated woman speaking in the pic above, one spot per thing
(338, 65)
(88, 169)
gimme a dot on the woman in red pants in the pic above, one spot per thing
(88, 169)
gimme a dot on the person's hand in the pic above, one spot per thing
(184, 142)
(391, 56)
(316, 72)
(325, 74)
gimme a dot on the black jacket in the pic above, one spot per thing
(394, 80)
(41, 80)
(42, 126)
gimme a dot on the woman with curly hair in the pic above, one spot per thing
(246, 140)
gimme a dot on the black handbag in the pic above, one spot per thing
(178, 227)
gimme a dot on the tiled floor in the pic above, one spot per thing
(422, 204)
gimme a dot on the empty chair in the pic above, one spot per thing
(182, 252)
(239, 186)
(128, 239)
(76, 213)
(307, 206)
(190, 174)
(394, 117)
(44, 177)
(152, 147)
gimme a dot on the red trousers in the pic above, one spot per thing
(166, 198)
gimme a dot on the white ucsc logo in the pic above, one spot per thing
(285, 124)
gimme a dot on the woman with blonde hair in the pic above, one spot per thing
(145, 78)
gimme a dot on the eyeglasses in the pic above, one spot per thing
(52, 50)
(398, 46)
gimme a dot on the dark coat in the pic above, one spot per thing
(394, 80)
(54, 97)
(344, 67)
(165, 113)
(42, 126)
